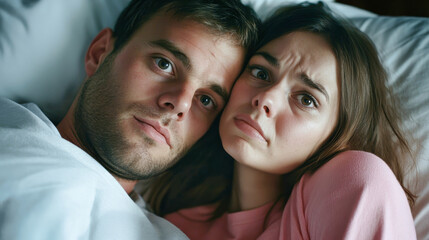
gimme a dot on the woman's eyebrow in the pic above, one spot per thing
(307, 81)
(270, 59)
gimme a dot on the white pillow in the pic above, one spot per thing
(43, 44)
(403, 44)
(42, 48)
(266, 7)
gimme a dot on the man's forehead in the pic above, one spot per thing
(165, 15)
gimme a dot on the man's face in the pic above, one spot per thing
(148, 103)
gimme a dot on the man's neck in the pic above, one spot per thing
(67, 131)
(127, 185)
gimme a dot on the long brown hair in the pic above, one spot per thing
(369, 118)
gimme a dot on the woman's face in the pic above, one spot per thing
(284, 105)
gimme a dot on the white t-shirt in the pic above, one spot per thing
(52, 189)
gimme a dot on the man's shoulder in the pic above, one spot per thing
(64, 203)
(30, 143)
(10, 105)
(19, 116)
(68, 202)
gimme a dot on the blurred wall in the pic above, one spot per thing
(392, 7)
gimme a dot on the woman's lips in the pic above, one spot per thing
(250, 127)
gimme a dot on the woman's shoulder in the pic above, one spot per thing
(356, 164)
(357, 193)
(351, 171)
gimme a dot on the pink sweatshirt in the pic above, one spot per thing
(353, 196)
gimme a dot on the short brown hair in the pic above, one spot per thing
(223, 17)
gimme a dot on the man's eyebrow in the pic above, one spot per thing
(220, 91)
(169, 46)
(270, 59)
(307, 81)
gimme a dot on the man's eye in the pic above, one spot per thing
(164, 64)
(259, 73)
(307, 100)
(207, 102)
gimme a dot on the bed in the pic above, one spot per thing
(43, 42)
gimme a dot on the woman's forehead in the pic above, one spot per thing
(304, 51)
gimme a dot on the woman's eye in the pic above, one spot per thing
(164, 64)
(307, 100)
(259, 73)
(207, 102)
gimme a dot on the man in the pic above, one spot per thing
(154, 85)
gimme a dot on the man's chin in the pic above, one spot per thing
(146, 164)
(136, 170)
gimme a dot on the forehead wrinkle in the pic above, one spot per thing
(292, 60)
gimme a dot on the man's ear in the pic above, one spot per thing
(99, 48)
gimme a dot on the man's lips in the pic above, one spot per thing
(154, 130)
(249, 127)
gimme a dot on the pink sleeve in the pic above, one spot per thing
(353, 196)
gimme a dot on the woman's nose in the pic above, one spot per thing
(267, 102)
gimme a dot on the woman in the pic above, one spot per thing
(308, 124)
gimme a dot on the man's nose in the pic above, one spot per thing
(178, 100)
